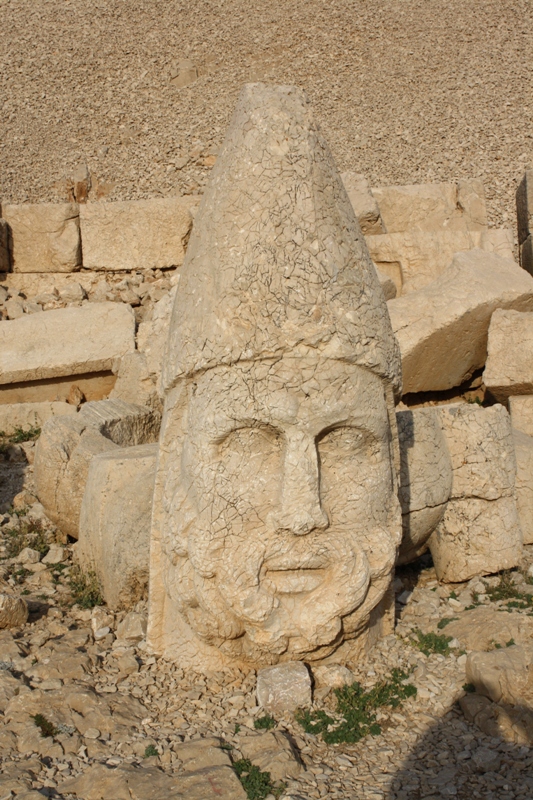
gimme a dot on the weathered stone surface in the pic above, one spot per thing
(114, 528)
(443, 328)
(45, 237)
(483, 628)
(276, 362)
(363, 203)
(152, 336)
(425, 478)
(13, 611)
(135, 234)
(126, 782)
(480, 530)
(333, 675)
(133, 627)
(30, 415)
(284, 687)
(524, 214)
(68, 444)
(521, 411)
(68, 341)
(509, 367)
(388, 285)
(523, 446)
(4, 246)
(9, 687)
(432, 207)
(272, 752)
(134, 383)
(504, 675)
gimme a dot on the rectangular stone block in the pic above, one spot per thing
(509, 367)
(363, 202)
(44, 237)
(521, 411)
(68, 341)
(30, 415)
(413, 259)
(135, 234)
(432, 207)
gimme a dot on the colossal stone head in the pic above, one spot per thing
(276, 521)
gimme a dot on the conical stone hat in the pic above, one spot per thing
(277, 260)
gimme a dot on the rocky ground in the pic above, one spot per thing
(112, 713)
(406, 92)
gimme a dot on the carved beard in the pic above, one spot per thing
(231, 598)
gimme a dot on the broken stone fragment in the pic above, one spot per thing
(509, 367)
(114, 528)
(479, 533)
(272, 752)
(45, 236)
(13, 611)
(363, 202)
(523, 446)
(284, 687)
(443, 328)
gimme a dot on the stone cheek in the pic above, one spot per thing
(280, 523)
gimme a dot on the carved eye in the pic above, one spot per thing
(250, 441)
(342, 441)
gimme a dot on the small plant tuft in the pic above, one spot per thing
(265, 723)
(85, 588)
(429, 643)
(150, 751)
(469, 688)
(506, 590)
(46, 727)
(445, 621)
(356, 710)
(256, 784)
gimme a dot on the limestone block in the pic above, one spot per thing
(272, 752)
(363, 202)
(432, 206)
(387, 284)
(114, 530)
(425, 478)
(152, 336)
(521, 411)
(68, 444)
(443, 328)
(524, 207)
(30, 415)
(509, 367)
(135, 234)
(132, 628)
(67, 341)
(480, 531)
(45, 237)
(13, 611)
(484, 627)
(284, 687)
(523, 445)
(412, 259)
(134, 383)
(504, 675)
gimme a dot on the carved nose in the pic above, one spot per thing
(300, 511)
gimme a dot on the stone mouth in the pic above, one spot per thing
(296, 581)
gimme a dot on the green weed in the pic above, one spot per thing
(265, 723)
(85, 588)
(150, 751)
(357, 710)
(31, 533)
(445, 621)
(469, 688)
(430, 643)
(46, 727)
(506, 590)
(256, 784)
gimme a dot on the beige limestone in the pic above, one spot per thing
(521, 411)
(363, 202)
(413, 259)
(94, 386)
(484, 627)
(503, 675)
(68, 341)
(443, 328)
(526, 254)
(523, 445)
(114, 528)
(509, 367)
(13, 611)
(134, 382)
(4, 246)
(284, 687)
(67, 446)
(480, 531)
(45, 237)
(432, 207)
(425, 478)
(135, 234)
(30, 415)
(276, 520)
(387, 284)
(152, 335)
(524, 208)
(272, 752)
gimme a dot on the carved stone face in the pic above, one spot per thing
(292, 521)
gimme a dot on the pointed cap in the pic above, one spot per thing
(277, 260)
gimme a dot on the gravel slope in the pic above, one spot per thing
(407, 91)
